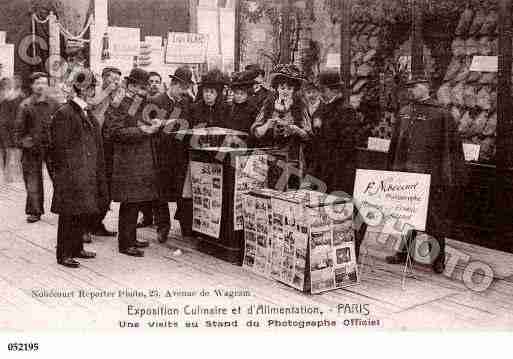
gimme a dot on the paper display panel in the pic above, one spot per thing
(471, 151)
(250, 174)
(484, 63)
(124, 41)
(378, 144)
(186, 48)
(6, 60)
(207, 197)
(392, 202)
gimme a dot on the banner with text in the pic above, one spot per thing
(186, 48)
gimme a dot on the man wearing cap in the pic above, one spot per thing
(111, 93)
(135, 179)
(259, 91)
(31, 135)
(80, 187)
(155, 84)
(337, 131)
(425, 140)
(172, 106)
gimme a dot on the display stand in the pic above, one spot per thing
(219, 178)
(303, 238)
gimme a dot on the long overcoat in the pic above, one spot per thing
(135, 163)
(78, 166)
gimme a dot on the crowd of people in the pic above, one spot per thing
(116, 141)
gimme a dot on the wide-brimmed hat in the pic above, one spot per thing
(138, 76)
(330, 79)
(286, 73)
(243, 79)
(214, 78)
(417, 80)
(256, 69)
(183, 74)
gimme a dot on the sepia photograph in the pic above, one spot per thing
(212, 166)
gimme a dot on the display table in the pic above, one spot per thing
(301, 238)
(219, 177)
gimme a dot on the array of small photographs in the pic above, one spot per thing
(206, 181)
(248, 177)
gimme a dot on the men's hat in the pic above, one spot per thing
(330, 79)
(37, 75)
(256, 68)
(418, 80)
(286, 72)
(107, 70)
(138, 76)
(243, 79)
(183, 74)
(84, 79)
(214, 78)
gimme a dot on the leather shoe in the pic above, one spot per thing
(86, 238)
(33, 218)
(398, 258)
(69, 262)
(141, 244)
(439, 264)
(162, 237)
(132, 251)
(144, 223)
(104, 232)
(86, 254)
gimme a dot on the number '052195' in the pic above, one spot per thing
(23, 347)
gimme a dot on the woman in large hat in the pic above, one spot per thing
(243, 109)
(283, 121)
(210, 109)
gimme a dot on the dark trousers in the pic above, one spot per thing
(127, 224)
(32, 165)
(183, 214)
(147, 211)
(69, 236)
(160, 210)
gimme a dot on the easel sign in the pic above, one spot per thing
(392, 202)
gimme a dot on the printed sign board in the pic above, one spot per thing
(186, 48)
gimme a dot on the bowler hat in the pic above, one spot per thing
(286, 73)
(417, 80)
(330, 79)
(107, 70)
(183, 74)
(243, 79)
(37, 75)
(139, 76)
(84, 79)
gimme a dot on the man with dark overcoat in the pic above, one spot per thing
(172, 106)
(80, 187)
(135, 179)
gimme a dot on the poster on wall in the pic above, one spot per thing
(392, 202)
(186, 48)
(207, 197)
(124, 42)
(6, 60)
(250, 174)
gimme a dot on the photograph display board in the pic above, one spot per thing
(207, 197)
(299, 239)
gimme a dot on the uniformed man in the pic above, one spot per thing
(425, 140)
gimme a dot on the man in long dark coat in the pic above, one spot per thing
(173, 107)
(80, 187)
(336, 132)
(425, 140)
(135, 180)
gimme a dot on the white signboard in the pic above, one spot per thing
(333, 60)
(124, 41)
(484, 63)
(392, 202)
(471, 151)
(186, 48)
(3, 36)
(378, 144)
(6, 60)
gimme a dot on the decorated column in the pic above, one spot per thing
(54, 49)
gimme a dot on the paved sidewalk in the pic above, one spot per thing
(28, 268)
